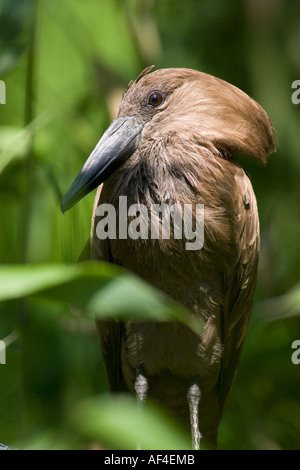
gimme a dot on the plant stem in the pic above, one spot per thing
(30, 88)
(26, 206)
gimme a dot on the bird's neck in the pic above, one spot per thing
(167, 171)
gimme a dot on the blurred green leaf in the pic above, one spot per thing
(281, 307)
(98, 288)
(21, 281)
(130, 296)
(14, 143)
(120, 423)
(50, 439)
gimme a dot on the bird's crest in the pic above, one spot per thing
(141, 75)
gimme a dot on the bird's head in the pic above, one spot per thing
(182, 101)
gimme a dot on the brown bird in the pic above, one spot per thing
(173, 142)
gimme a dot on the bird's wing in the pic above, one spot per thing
(240, 282)
(110, 331)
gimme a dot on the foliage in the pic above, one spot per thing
(65, 66)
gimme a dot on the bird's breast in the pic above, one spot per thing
(193, 277)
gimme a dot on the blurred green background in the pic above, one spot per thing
(65, 66)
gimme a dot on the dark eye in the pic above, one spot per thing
(156, 98)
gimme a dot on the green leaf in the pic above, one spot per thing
(129, 295)
(278, 308)
(21, 281)
(15, 141)
(121, 424)
(14, 144)
(97, 288)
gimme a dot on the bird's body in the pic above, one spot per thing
(202, 280)
(184, 156)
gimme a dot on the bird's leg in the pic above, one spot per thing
(193, 397)
(141, 388)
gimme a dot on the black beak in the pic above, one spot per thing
(119, 142)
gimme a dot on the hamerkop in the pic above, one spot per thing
(173, 143)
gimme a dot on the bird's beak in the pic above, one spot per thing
(119, 142)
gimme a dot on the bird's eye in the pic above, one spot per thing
(155, 98)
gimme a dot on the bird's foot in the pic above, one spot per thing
(141, 388)
(193, 397)
(141, 385)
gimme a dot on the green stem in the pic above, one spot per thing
(26, 206)
(30, 88)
